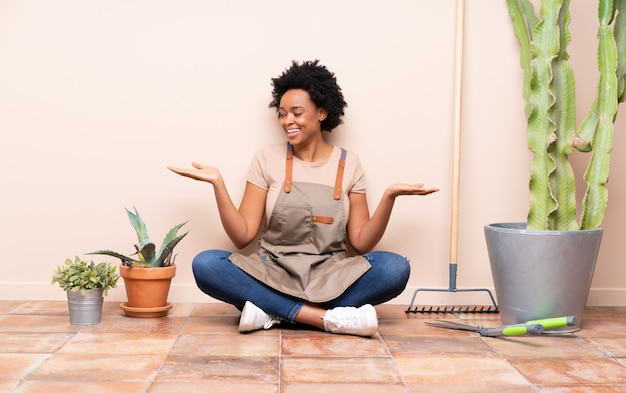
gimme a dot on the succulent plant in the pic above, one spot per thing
(551, 111)
(146, 253)
(81, 275)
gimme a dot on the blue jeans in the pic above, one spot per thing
(221, 279)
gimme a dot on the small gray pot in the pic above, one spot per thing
(85, 309)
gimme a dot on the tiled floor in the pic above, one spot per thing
(197, 348)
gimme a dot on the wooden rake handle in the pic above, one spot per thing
(456, 166)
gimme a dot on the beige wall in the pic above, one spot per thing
(97, 97)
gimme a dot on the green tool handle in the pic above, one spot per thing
(518, 330)
(551, 323)
(515, 330)
(531, 327)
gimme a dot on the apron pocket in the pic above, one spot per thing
(295, 226)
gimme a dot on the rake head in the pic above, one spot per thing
(492, 309)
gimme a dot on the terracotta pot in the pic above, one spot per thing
(147, 290)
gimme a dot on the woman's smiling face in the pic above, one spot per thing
(299, 116)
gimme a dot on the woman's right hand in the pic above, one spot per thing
(200, 172)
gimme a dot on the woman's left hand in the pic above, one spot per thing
(410, 189)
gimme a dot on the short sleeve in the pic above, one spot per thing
(358, 174)
(256, 174)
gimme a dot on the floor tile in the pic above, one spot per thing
(599, 312)
(328, 345)
(613, 347)
(82, 387)
(181, 310)
(216, 310)
(6, 306)
(15, 342)
(248, 369)
(287, 329)
(96, 367)
(417, 327)
(124, 324)
(571, 371)
(37, 324)
(606, 326)
(129, 344)
(467, 388)
(435, 346)
(113, 309)
(203, 345)
(339, 370)
(392, 311)
(19, 365)
(212, 386)
(458, 370)
(7, 386)
(42, 308)
(343, 388)
(226, 325)
(566, 346)
(583, 389)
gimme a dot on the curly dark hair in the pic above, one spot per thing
(321, 85)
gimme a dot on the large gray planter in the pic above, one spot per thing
(541, 274)
(85, 309)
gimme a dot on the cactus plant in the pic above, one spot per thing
(548, 89)
(146, 249)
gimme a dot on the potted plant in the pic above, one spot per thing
(543, 268)
(147, 273)
(85, 284)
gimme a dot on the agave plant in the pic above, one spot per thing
(146, 255)
(551, 111)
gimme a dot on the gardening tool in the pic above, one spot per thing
(531, 327)
(454, 227)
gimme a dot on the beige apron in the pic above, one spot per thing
(302, 251)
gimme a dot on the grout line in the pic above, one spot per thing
(70, 336)
(178, 336)
(501, 356)
(393, 361)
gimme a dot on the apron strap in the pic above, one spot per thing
(288, 168)
(339, 179)
(289, 172)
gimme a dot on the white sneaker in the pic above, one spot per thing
(361, 321)
(253, 318)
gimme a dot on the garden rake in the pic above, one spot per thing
(454, 228)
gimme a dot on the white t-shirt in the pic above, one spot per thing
(267, 171)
